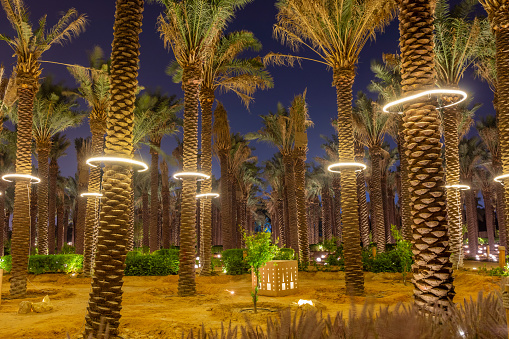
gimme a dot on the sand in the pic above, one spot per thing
(151, 308)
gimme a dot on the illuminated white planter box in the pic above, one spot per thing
(277, 278)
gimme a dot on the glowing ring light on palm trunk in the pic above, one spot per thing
(33, 180)
(430, 92)
(197, 175)
(458, 187)
(207, 195)
(501, 178)
(135, 163)
(91, 194)
(346, 165)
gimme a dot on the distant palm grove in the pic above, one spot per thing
(417, 157)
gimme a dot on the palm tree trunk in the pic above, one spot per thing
(225, 203)
(165, 193)
(360, 182)
(326, 213)
(336, 188)
(206, 101)
(432, 270)
(288, 162)
(106, 296)
(190, 84)
(300, 182)
(281, 222)
(66, 225)
(82, 209)
(33, 218)
(2, 220)
(471, 210)
(354, 277)
(145, 217)
(43, 228)
(452, 177)
(488, 208)
(406, 203)
(130, 229)
(60, 225)
(377, 218)
(154, 196)
(286, 216)
(94, 186)
(52, 204)
(385, 203)
(27, 78)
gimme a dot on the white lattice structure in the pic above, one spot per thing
(277, 278)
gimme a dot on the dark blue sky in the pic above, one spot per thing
(257, 17)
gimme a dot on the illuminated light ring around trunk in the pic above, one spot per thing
(199, 176)
(347, 165)
(135, 163)
(458, 187)
(207, 195)
(424, 93)
(91, 194)
(33, 180)
(501, 178)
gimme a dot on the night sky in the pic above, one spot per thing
(257, 17)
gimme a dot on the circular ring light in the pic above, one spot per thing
(91, 194)
(197, 175)
(332, 168)
(136, 163)
(207, 195)
(501, 178)
(425, 93)
(458, 187)
(33, 180)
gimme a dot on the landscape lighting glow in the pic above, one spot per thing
(460, 187)
(198, 175)
(91, 194)
(33, 180)
(424, 93)
(207, 195)
(304, 302)
(137, 163)
(358, 165)
(500, 178)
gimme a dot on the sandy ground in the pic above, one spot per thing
(151, 308)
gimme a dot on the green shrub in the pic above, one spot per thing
(315, 247)
(157, 264)
(217, 249)
(55, 263)
(67, 249)
(233, 261)
(285, 254)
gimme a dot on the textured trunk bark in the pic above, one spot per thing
(281, 222)
(66, 226)
(226, 218)
(145, 218)
(154, 197)
(300, 183)
(377, 218)
(82, 208)
(46, 238)
(488, 208)
(361, 196)
(2, 220)
(33, 219)
(405, 202)
(60, 224)
(336, 188)
(471, 222)
(292, 202)
(326, 213)
(165, 188)
(52, 205)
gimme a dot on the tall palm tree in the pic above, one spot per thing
(28, 46)
(190, 29)
(432, 269)
(59, 144)
(278, 130)
(94, 88)
(106, 296)
(371, 126)
(497, 15)
(223, 70)
(456, 39)
(337, 34)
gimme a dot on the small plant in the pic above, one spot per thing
(260, 250)
(482, 241)
(404, 249)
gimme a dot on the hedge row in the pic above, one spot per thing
(234, 264)
(38, 264)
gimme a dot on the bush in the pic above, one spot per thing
(285, 254)
(67, 249)
(55, 263)
(233, 261)
(217, 249)
(161, 262)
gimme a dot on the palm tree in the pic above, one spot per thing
(337, 34)
(28, 46)
(456, 39)
(223, 70)
(59, 144)
(278, 130)
(191, 28)
(371, 125)
(106, 296)
(83, 150)
(94, 88)
(484, 175)
(432, 269)
(299, 115)
(223, 144)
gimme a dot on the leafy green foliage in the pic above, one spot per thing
(68, 249)
(161, 262)
(233, 261)
(38, 264)
(285, 254)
